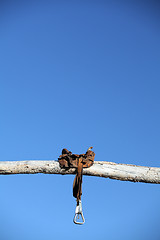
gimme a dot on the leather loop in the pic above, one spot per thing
(68, 160)
(77, 184)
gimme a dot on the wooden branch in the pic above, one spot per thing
(123, 172)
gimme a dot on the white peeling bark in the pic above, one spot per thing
(123, 172)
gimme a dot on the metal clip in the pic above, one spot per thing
(78, 212)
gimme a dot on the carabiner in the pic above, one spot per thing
(79, 212)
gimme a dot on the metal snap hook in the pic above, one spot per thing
(78, 213)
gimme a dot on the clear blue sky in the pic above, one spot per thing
(76, 74)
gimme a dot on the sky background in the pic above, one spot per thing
(76, 74)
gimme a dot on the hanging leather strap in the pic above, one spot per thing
(68, 160)
(77, 184)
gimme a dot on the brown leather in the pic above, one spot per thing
(77, 184)
(69, 160)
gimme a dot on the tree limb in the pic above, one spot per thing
(123, 172)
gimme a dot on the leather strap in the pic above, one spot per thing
(77, 184)
(68, 160)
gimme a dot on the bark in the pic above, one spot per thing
(123, 172)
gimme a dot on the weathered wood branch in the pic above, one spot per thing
(123, 172)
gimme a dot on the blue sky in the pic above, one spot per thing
(76, 74)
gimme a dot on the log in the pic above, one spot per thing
(123, 172)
